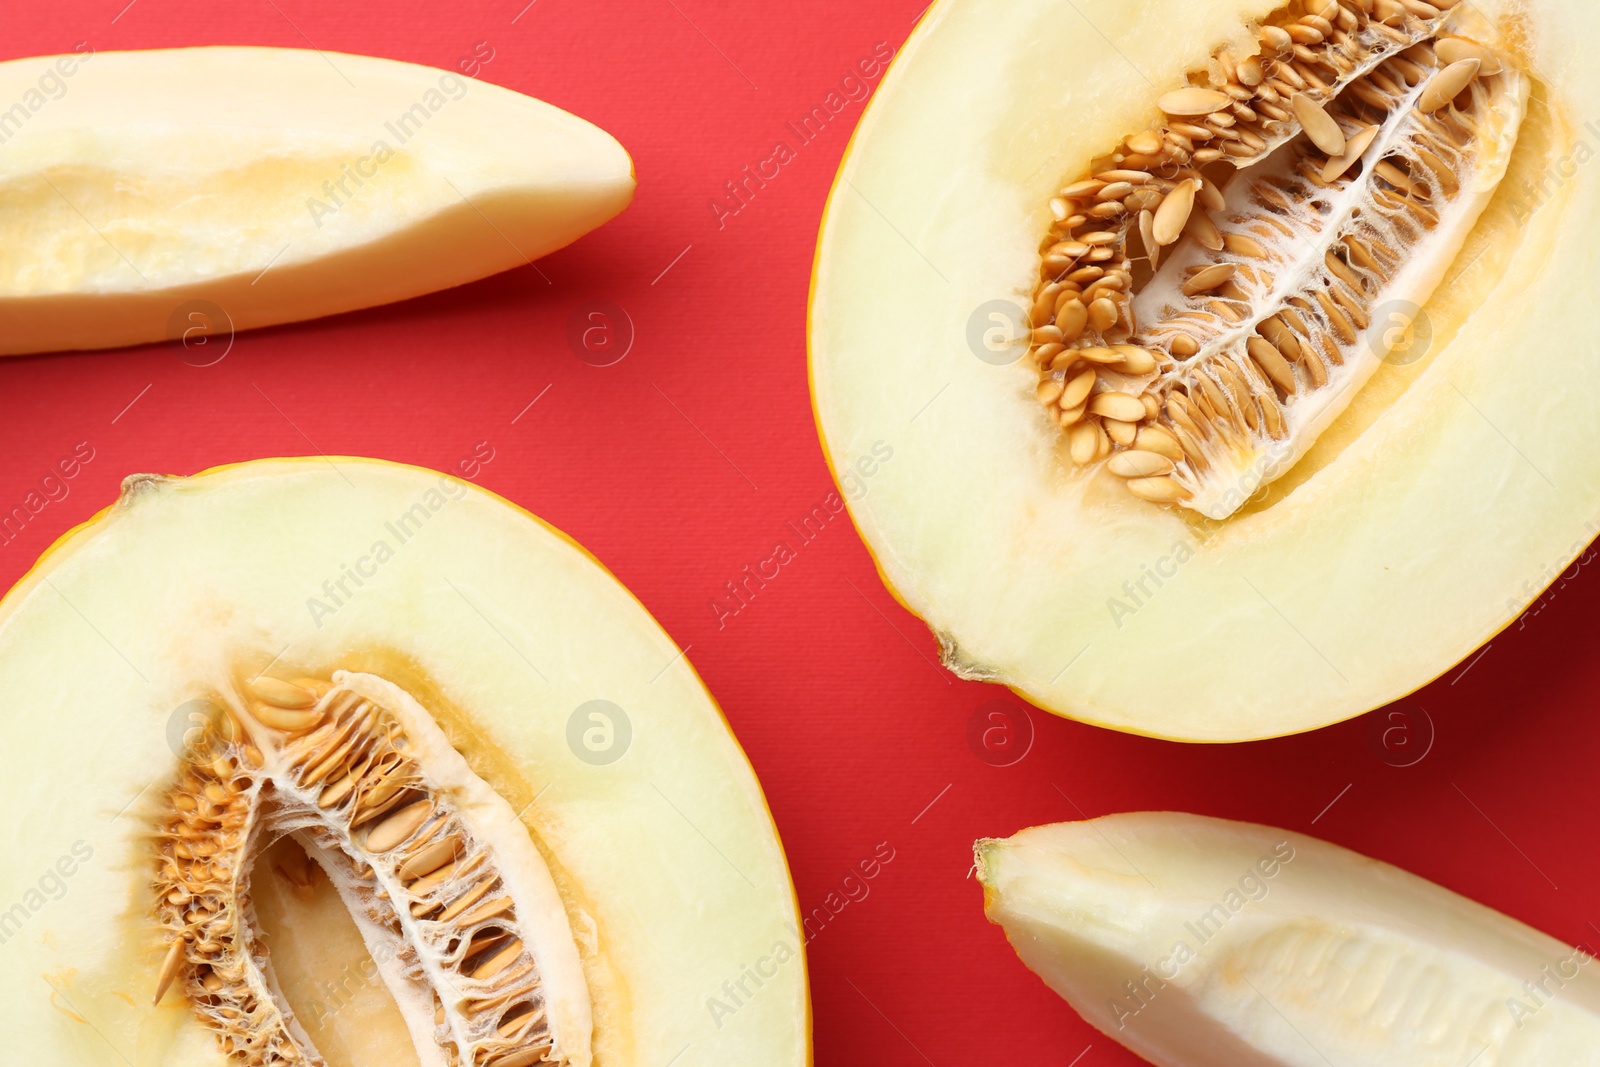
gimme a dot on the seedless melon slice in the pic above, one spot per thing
(152, 194)
(1199, 942)
(1416, 525)
(343, 761)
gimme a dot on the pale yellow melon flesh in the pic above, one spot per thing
(275, 184)
(1199, 942)
(322, 966)
(1425, 519)
(666, 861)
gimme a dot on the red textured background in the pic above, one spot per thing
(684, 462)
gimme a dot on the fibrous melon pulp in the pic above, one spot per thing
(1195, 323)
(338, 762)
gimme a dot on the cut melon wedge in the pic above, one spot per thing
(1352, 515)
(344, 762)
(1199, 942)
(180, 193)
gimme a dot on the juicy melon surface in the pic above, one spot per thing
(1423, 521)
(1200, 942)
(276, 185)
(666, 860)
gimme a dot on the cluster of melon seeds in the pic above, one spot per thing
(1207, 295)
(456, 907)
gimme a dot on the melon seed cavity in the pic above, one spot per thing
(1206, 300)
(439, 875)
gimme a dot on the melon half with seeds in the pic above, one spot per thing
(332, 763)
(1194, 329)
